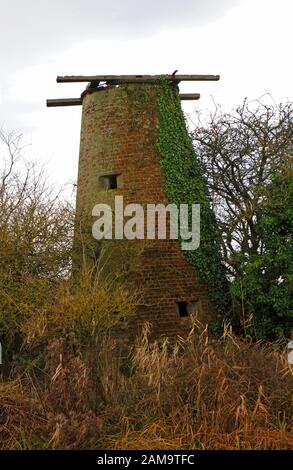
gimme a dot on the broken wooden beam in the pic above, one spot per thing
(189, 96)
(78, 101)
(64, 102)
(134, 78)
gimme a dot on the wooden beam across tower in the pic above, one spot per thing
(54, 103)
(134, 78)
(189, 96)
(96, 82)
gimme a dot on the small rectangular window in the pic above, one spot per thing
(182, 309)
(113, 181)
(185, 309)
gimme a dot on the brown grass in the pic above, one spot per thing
(197, 393)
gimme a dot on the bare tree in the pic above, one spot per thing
(240, 152)
(35, 224)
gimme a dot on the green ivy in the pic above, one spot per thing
(185, 184)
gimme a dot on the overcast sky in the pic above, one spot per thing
(247, 42)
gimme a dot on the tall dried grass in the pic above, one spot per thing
(194, 393)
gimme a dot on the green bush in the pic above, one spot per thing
(266, 286)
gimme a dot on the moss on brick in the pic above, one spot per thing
(119, 133)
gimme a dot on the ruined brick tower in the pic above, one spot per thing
(119, 156)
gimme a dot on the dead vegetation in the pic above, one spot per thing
(196, 393)
(63, 384)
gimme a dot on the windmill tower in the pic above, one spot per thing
(120, 155)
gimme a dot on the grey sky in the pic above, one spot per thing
(31, 29)
(247, 42)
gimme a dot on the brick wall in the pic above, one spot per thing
(118, 135)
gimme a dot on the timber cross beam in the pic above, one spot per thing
(94, 82)
(137, 78)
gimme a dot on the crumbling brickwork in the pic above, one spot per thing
(118, 136)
